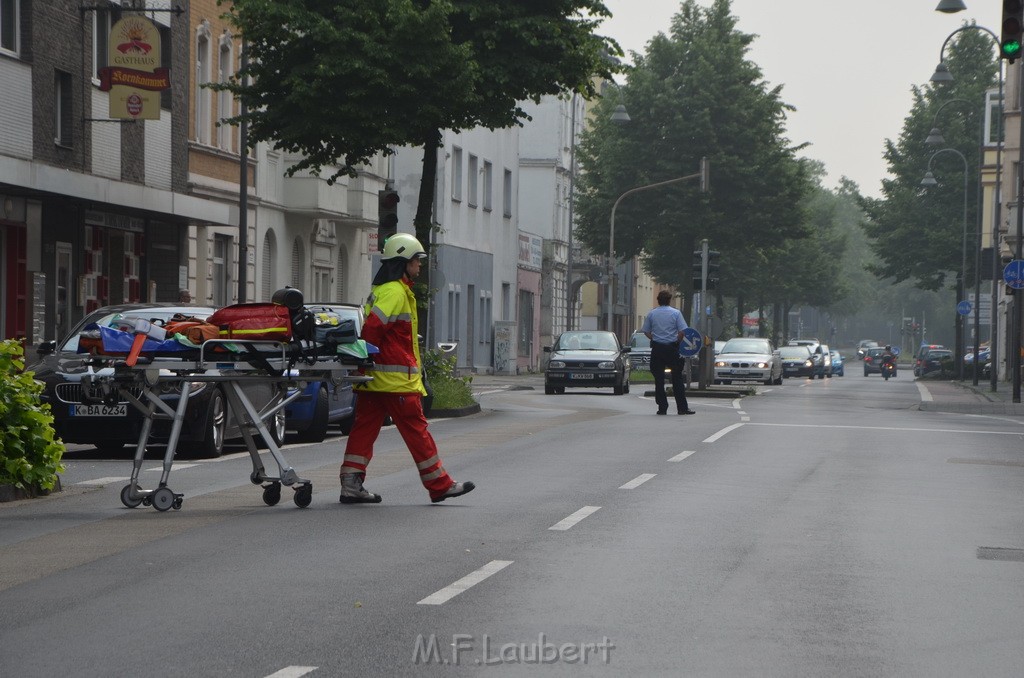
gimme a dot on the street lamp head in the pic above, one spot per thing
(929, 180)
(620, 116)
(941, 74)
(935, 138)
(950, 6)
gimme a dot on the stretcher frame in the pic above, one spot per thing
(281, 364)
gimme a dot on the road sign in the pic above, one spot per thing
(982, 306)
(964, 308)
(1013, 274)
(691, 343)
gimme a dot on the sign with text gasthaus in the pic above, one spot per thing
(133, 76)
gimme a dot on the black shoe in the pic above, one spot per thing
(687, 412)
(662, 412)
(456, 490)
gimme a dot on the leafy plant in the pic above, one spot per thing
(30, 453)
(450, 390)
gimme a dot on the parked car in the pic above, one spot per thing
(984, 360)
(837, 364)
(207, 424)
(323, 404)
(796, 361)
(639, 351)
(587, 359)
(922, 356)
(748, 359)
(873, 361)
(937, 361)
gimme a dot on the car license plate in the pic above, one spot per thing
(581, 376)
(99, 410)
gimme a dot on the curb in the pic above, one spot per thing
(697, 393)
(454, 412)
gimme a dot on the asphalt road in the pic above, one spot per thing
(825, 527)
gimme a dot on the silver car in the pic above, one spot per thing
(748, 359)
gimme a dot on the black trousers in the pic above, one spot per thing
(666, 356)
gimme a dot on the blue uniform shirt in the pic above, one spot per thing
(664, 324)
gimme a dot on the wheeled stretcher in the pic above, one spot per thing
(231, 364)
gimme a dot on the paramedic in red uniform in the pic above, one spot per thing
(397, 387)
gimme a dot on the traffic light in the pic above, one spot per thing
(1013, 26)
(713, 266)
(387, 215)
(698, 270)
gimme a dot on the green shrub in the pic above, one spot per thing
(450, 390)
(29, 452)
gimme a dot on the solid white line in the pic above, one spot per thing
(467, 582)
(103, 481)
(566, 523)
(683, 455)
(887, 428)
(926, 395)
(744, 418)
(293, 671)
(638, 481)
(176, 467)
(721, 433)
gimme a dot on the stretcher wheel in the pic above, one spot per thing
(163, 499)
(126, 498)
(272, 494)
(303, 496)
(256, 477)
(177, 504)
(147, 500)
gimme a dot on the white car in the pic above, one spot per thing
(748, 359)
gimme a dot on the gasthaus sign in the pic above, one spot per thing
(134, 77)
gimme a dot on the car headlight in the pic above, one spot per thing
(719, 363)
(808, 363)
(760, 366)
(606, 365)
(557, 364)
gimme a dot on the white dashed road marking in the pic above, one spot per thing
(467, 582)
(638, 481)
(683, 455)
(566, 523)
(104, 481)
(293, 671)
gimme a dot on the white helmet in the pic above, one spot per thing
(402, 246)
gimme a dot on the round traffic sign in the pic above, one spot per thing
(964, 308)
(691, 343)
(1013, 274)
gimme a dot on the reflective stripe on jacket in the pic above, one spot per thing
(392, 325)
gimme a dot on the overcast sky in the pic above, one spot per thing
(847, 66)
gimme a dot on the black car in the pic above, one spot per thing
(587, 359)
(938, 361)
(109, 427)
(796, 361)
(873, 361)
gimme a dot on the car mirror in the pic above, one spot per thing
(47, 347)
(547, 349)
(625, 349)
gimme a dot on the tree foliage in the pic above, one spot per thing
(916, 232)
(694, 94)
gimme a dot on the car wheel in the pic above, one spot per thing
(549, 390)
(277, 427)
(778, 380)
(768, 381)
(317, 429)
(865, 371)
(829, 375)
(626, 388)
(212, 444)
(619, 386)
(110, 447)
(346, 424)
(560, 390)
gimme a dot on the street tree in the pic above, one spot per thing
(693, 93)
(916, 233)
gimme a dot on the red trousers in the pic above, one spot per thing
(406, 411)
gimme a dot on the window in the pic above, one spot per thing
(165, 61)
(202, 95)
(221, 269)
(9, 26)
(508, 193)
(995, 130)
(63, 120)
(298, 263)
(473, 180)
(525, 342)
(269, 265)
(488, 190)
(102, 20)
(456, 173)
(225, 69)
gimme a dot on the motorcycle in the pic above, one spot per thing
(888, 369)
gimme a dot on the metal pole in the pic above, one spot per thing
(243, 191)
(1015, 335)
(963, 282)
(570, 298)
(993, 339)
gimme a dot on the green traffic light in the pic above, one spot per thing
(1011, 48)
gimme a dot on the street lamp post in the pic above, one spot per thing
(929, 180)
(942, 75)
(702, 175)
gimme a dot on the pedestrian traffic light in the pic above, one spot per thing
(387, 215)
(1013, 26)
(713, 266)
(698, 270)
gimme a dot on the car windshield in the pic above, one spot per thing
(587, 341)
(794, 352)
(639, 340)
(938, 354)
(874, 352)
(740, 345)
(161, 315)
